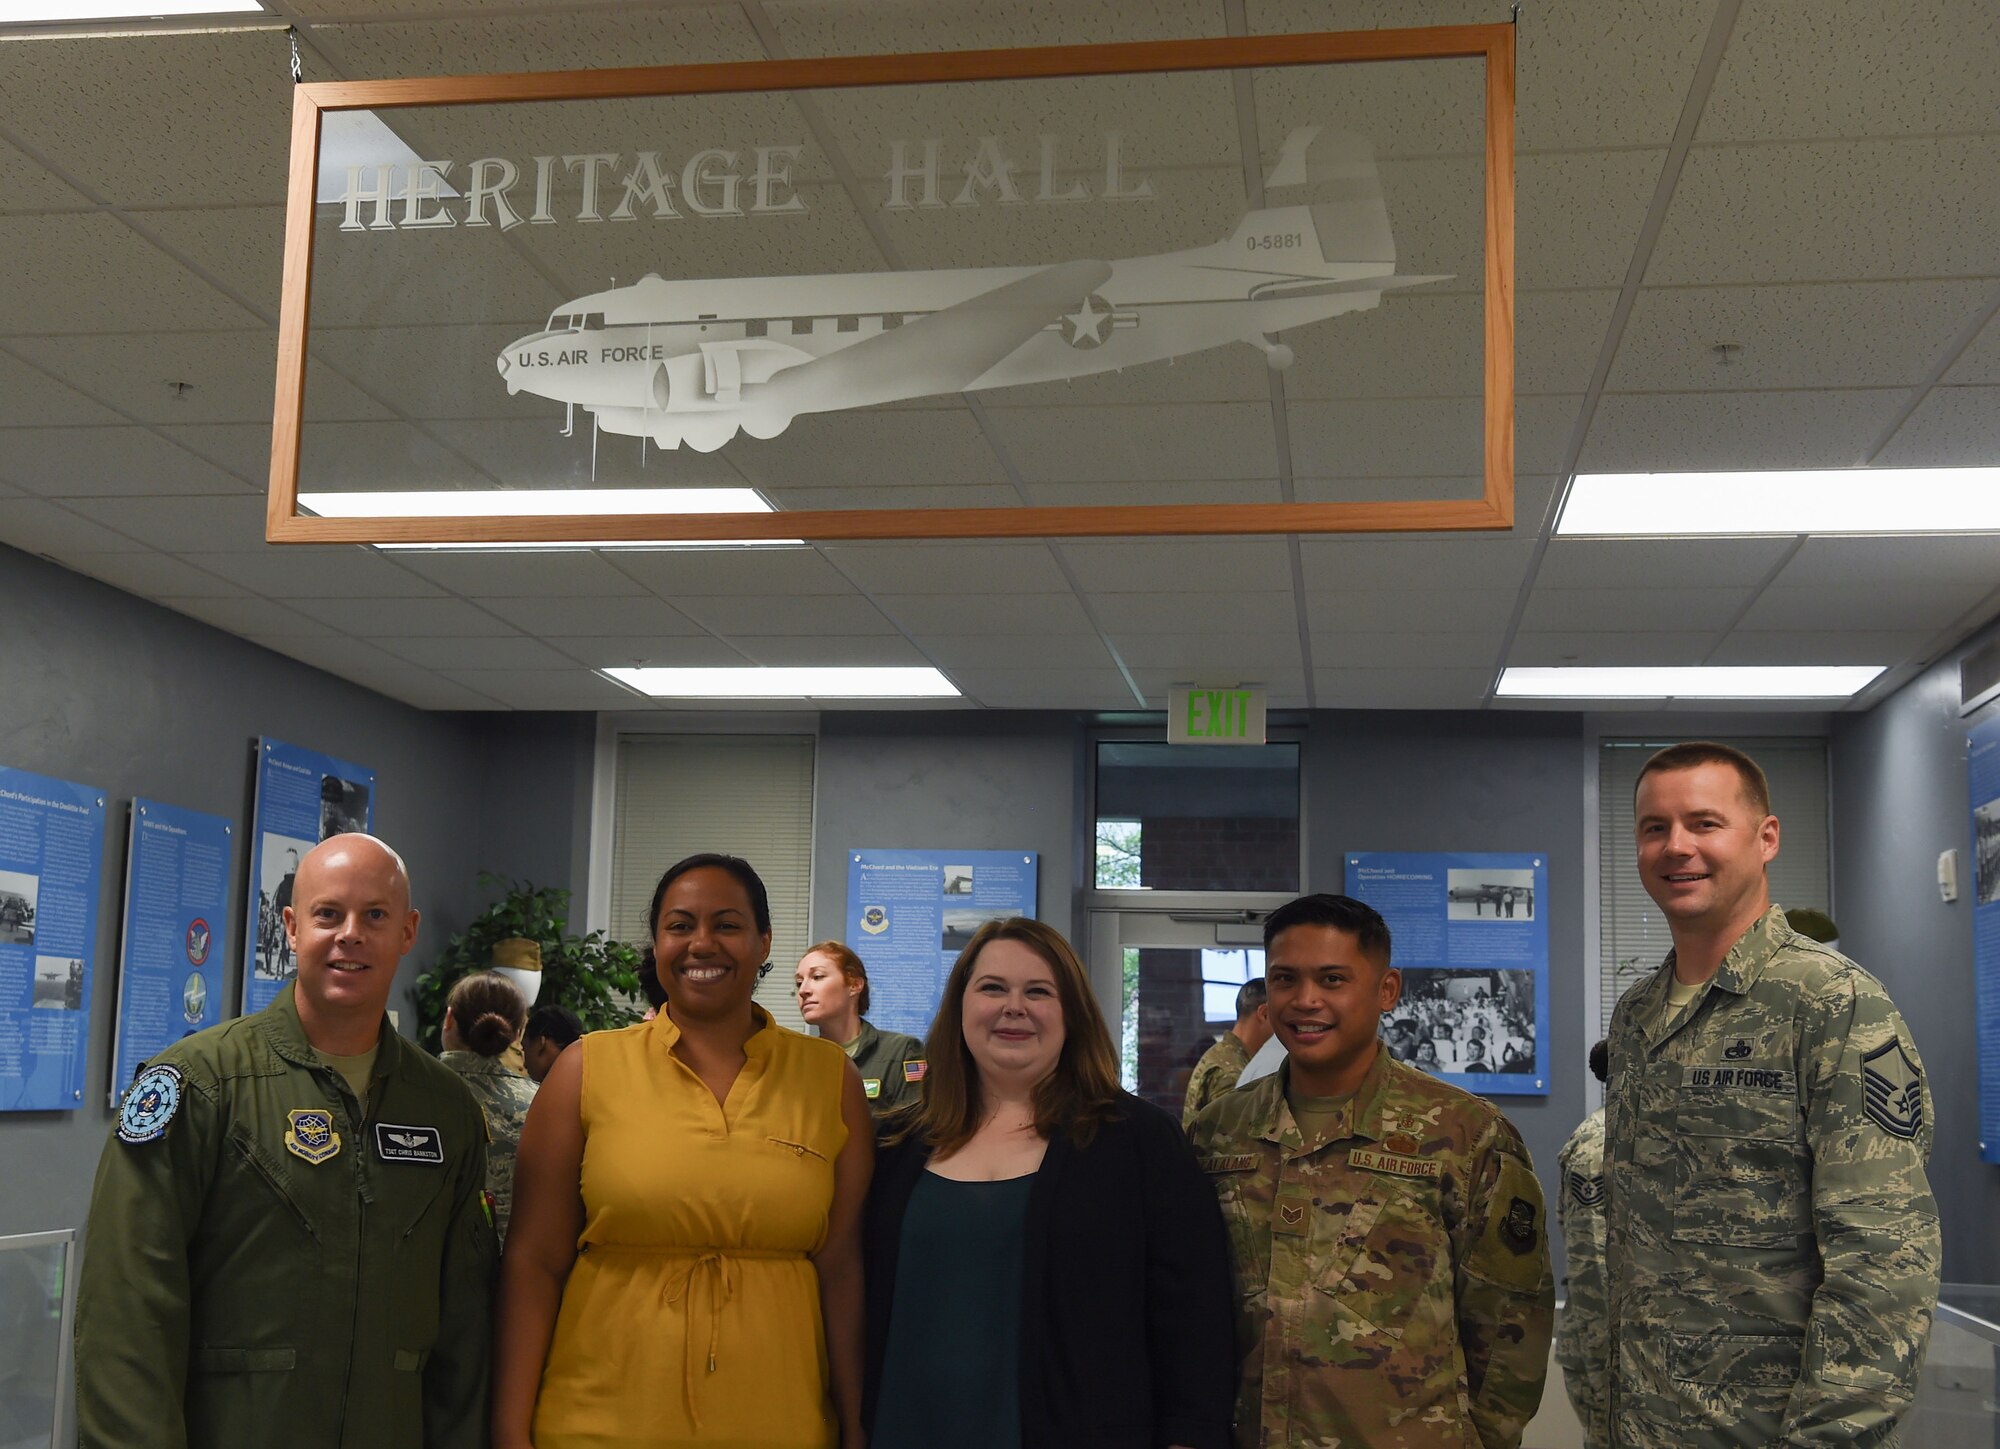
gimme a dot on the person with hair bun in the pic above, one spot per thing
(832, 987)
(482, 1018)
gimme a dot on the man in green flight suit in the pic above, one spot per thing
(1391, 1254)
(1772, 1247)
(287, 1242)
(1224, 1062)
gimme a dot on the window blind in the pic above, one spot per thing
(1633, 938)
(747, 796)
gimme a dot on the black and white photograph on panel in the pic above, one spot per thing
(1490, 895)
(343, 807)
(59, 983)
(1986, 852)
(958, 880)
(18, 894)
(961, 923)
(275, 875)
(1452, 1020)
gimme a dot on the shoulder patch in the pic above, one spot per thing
(1893, 1090)
(1585, 1191)
(871, 1087)
(149, 1105)
(913, 1071)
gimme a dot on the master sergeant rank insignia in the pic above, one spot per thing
(311, 1134)
(1893, 1090)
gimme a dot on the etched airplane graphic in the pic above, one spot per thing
(696, 362)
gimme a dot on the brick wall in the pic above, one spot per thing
(1181, 853)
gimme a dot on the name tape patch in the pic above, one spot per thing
(1376, 1160)
(1740, 1079)
(1237, 1162)
(150, 1105)
(397, 1143)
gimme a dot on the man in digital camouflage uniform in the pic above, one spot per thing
(1583, 1344)
(1772, 1243)
(287, 1242)
(1224, 1062)
(1391, 1257)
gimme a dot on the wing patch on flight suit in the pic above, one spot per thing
(1893, 1090)
(149, 1105)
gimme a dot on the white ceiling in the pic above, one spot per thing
(1817, 181)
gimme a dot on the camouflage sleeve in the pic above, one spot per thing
(1506, 1294)
(134, 1295)
(1868, 1124)
(1583, 1344)
(457, 1377)
(1197, 1094)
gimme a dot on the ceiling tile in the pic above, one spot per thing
(1207, 653)
(874, 27)
(241, 449)
(108, 462)
(1157, 492)
(987, 613)
(666, 651)
(558, 689)
(246, 617)
(183, 525)
(309, 571)
(383, 618)
(723, 571)
(782, 650)
(1016, 651)
(1689, 563)
(1807, 68)
(476, 653)
(1338, 648)
(493, 39)
(243, 245)
(1952, 427)
(1980, 363)
(1603, 648)
(1401, 688)
(1392, 566)
(1143, 443)
(1589, 611)
(31, 398)
(90, 273)
(1863, 334)
(373, 457)
(919, 568)
(423, 688)
(154, 575)
(1833, 211)
(231, 376)
(1826, 646)
(514, 574)
(27, 185)
(1475, 612)
(750, 615)
(1881, 607)
(1832, 563)
(1668, 432)
(336, 654)
(1045, 688)
(580, 618)
(1177, 613)
(533, 453)
(891, 494)
(1188, 566)
(881, 450)
(34, 526)
(148, 142)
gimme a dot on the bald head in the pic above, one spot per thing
(366, 857)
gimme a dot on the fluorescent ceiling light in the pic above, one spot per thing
(1825, 500)
(750, 682)
(42, 12)
(548, 503)
(1832, 681)
(533, 502)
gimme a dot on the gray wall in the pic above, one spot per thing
(977, 781)
(1500, 781)
(1899, 798)
(99, 687)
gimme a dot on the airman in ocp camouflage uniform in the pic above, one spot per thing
(504, 1097)
(1222, 1064)
(1772, 1243)
(1583, 1337)
(1393, 1285)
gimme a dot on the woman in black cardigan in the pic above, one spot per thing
(1047, 1265)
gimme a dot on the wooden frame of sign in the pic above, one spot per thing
(1493, 510)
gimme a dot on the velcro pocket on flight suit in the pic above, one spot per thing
(243, 1360)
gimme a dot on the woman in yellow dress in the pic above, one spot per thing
(684, 1264)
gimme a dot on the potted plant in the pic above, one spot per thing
(593, 976)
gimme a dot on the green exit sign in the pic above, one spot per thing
(1215, 716)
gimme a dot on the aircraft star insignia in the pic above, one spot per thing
(1085, 326)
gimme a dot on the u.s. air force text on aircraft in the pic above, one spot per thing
(710, 183)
